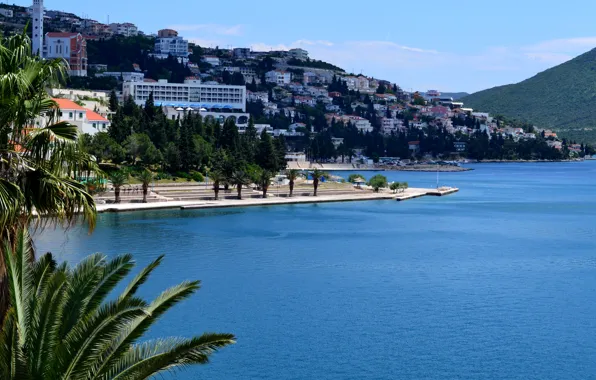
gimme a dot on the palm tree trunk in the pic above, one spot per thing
(291, 188)
(145, 188)
(117, 194)
(216, 190)
(239, 191)
(315, 183)
(264, 192)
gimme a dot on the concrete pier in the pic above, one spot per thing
(353, 196)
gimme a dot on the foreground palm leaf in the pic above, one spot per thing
(60, 324)
(39, 164)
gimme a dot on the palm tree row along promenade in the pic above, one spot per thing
(239, 189)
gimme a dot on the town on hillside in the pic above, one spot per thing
(320, 112)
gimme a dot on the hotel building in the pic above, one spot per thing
(191, 93)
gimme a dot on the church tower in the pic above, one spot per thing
(37, 34)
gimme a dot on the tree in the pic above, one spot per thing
(377, 182)
(264, 181)
(118, 179)
(266, 156)
(317, 175)
(146, 177)
(240, 178)
(353, 178)
(395, 186)
(39, 166)
(139, 147)
(61, 324)
(292, 175)
(381, 89)
(218, 178)
(113, 104)
(172, 157)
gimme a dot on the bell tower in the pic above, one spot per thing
(37, 34)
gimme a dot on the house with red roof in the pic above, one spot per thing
(86, 120)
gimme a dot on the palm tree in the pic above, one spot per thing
(240, 178)
(38, 166)
(218, 178)
(292, 175)
(61, 325)
(146, 177)
(316, 177)
(264, 180)
(118, 179)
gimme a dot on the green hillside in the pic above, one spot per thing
(562, 98)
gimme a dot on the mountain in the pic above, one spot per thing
(454, 95)
(562, 98)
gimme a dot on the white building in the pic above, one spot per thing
(174, 46)
(191, 93)
(84, 119)
(263, 96)
(362, 124)
(241, 119)
(212, 60)
(6, 12)
(300, 54)
(278, 77)
(124, 29)
(68, 93)
(37, 33)
(72, 47)
(132, 76)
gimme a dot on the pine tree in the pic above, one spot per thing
(266, 156)
(113, 104)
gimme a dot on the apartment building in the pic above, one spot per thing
(278, 77)
(191, 93)
(169, 43)
(300, 54)
(126, 29)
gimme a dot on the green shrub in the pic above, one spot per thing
(353, 178)
(377, 182)
(197, 177)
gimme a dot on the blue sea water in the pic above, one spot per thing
(497, 281)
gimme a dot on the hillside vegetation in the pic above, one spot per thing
(562, 98)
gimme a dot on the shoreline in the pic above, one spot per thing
(411, 193)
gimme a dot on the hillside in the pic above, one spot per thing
(562, 98)
(454, 95)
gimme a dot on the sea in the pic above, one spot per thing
(497, 281)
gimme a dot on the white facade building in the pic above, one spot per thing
(174, 46)
(72, 47)
(191, 93)
(278, 77)
(212, 60)
(300, 54)
(123, 76)
(126, 29)
(6, 12)
(84, 119)
(37, 33)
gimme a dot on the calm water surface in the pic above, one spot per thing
(495, 282)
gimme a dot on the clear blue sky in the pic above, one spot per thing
(460, 45)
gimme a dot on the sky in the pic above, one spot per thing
(465, 45)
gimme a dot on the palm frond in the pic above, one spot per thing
(151, 358)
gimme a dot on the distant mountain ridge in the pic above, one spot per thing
(562, 98)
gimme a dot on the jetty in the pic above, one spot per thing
(200, 196)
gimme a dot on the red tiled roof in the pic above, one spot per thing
(66, 104)
(94, 116)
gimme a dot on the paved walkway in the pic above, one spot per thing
(198, 204)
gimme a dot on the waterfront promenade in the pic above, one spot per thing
(354, 196)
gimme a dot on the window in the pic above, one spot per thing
(80, 115)
(70, 115)
(94, 125)
(60, 113)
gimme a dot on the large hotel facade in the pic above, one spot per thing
(191, 93)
